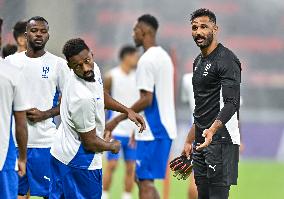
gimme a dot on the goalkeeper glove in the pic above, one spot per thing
(182, 167)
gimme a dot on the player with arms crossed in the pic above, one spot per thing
(215, 132)
(12, 102)
(155, 80)
(45, 75)
(120, 82)
(76, 163)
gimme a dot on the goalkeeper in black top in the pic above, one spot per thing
(215, 133)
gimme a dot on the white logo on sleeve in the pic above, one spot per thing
(47, 178)
(212, 167)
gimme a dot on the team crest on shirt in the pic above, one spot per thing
(100, 80)
(207, 67)
(45, 71)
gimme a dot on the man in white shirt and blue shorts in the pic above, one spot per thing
(45, 75)
(76, 163)
(155, 81)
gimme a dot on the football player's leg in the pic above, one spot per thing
(108, 173)
(147, 190)
(192, 189)
(219, 192)
(129, 153)
(112, 162)
(200, 174)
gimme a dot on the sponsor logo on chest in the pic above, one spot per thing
(45, 71)
(206, 69)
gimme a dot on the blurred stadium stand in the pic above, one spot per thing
(252, 29)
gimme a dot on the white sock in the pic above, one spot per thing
(105, 195)
(126, 195)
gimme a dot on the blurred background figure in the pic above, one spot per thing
(9, 49)
(120, 82)
(187, 96)
(1, 22)
(19, 35)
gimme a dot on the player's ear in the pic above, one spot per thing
(92, 54)
(48, 36)
(215, 29)
(69, 65)
(26, 35)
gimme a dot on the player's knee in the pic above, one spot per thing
(146, 184)
(112, 166)
(130, 169)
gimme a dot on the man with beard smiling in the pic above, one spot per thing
(215, 132)
(45, 74)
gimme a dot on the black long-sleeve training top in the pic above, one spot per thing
(216, 85)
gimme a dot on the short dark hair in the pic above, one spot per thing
(149, 20)
(126, 50)
(19, 29)
(37, 18)
(9, 49)
(73, 47)
(203, 12)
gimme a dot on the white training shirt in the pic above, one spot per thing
(155, 73)
(12, 94)
(45, 77)
(81, 110)
(187, 94)
(123, 89)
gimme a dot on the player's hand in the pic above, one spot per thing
(137, 119)
(22, 167)
(115, 146)
(35, 115)
(187, 149)
(208, 135)
(107, 136)
(182, 167)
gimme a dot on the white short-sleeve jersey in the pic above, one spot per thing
(45, 78)
(123, 89)
(81, 110)
(155, 73)
(12, 98)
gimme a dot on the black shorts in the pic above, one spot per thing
(216, 164)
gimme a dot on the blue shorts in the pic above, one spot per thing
(37, 179)
(129, 153)
(70, 182)
(152, 159)
(8, 184)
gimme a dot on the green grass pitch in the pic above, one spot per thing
(257, 180)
